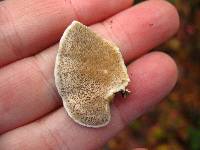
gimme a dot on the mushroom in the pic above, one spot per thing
(89, 70)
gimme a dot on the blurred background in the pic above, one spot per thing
(175, 123)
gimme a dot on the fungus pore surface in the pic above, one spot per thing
(89, 70)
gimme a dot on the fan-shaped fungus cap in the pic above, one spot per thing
(88, 72)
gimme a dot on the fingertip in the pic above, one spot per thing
(174, 13)
(141, 27)
(152, 77)
(168, 63)
(159, 67)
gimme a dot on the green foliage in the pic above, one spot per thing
(194, 138)
(172, 1)
(138, 1)
(136, 125)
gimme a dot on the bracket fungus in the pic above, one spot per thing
(89, 70)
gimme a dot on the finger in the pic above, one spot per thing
(142, 28)
(33, 81)
(152, 77)
(29, 26)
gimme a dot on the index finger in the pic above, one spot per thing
(28, 27)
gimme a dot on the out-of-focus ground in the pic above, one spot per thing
(175, 123)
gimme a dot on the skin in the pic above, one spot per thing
(31, 112)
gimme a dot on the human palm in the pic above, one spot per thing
(31, 112)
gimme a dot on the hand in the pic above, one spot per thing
(31, 112)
